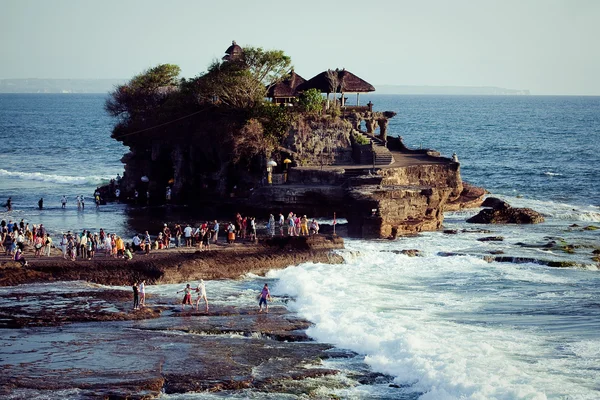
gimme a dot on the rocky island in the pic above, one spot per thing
(214, 142)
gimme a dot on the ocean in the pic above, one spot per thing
(445, 325)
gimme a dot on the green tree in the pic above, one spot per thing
(267, 66)
(230, 84)
(144, 92)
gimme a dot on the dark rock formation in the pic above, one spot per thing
(491, 239)
(502, 213)
(495, 203)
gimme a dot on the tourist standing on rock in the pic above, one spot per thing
(142, 293)
(63, 201)
(48, 244)
(215, 229)
(291, 224)
(231, 233)
(177, 231)
(264, 296)
(187, 234)
(281, 224)
(252, 229)
(136, 298)
(201, 290)
(187, 296)
(166, 236)
(304, 226)
(63, 245)
(147, 244)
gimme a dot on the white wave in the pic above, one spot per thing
(394, 309)
(38, 176)
(552, 173)
(553, 209)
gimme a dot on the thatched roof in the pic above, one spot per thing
(347, 83)
(233, 52)
(287, 87)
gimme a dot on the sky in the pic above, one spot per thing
(546, 46)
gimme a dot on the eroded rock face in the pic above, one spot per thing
(390, 211)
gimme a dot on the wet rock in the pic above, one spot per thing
(496, 252)
(140, 354)
(491, 239)
(30, 309)
(495, 203)
(450, 231)
(590, 228)
(411, 252)
(476, 231)
(507, 216)
(134, 362)
(500, 212)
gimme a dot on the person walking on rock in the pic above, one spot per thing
(187, 296)
(142, 293)
(201, 290)
(264, 296)
(136, 297)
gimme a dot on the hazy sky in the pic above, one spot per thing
(547, 46)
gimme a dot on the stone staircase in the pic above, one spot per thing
(379, 150)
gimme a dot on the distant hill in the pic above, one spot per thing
(58, 85)
(455, 90)
(106, 85)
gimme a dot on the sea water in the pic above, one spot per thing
(445, 325)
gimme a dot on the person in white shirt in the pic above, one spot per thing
(63, 201)
(142, 293)
(201, 290)
(136, 241)
(187, 233)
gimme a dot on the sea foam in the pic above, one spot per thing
(73, 180)
(422, 320)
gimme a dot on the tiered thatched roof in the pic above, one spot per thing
(287, 87)
(233, 52)
(347, 83)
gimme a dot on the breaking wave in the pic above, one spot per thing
(37, 176)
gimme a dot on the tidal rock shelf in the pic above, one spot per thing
(78, 339)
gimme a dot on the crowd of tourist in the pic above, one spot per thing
(86, 245)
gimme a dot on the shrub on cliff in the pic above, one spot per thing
(311, 101)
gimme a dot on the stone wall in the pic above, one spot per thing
(434, 175)
(320, 140)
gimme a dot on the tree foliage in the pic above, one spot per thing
(230, 84)
(266, 66)
(276, 121)
(311, 101)
(144, 92)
